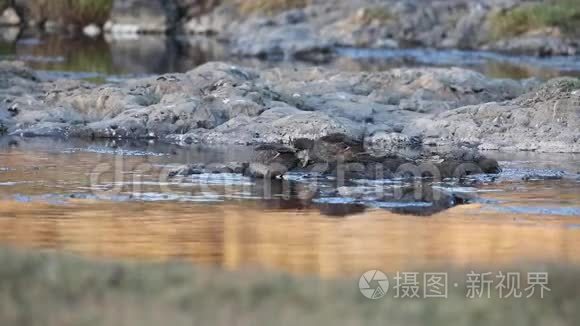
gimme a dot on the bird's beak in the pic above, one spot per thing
(304, 158)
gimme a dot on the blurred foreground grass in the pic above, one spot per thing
(55, 289)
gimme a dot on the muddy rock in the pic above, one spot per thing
(536, 45)
(543, 176)
(265, 39)
(214, 168)
(272, 127)
(392, 143)
(313, 32)
(400, 111)
(16, 84)
(218, 103)
(386, 102)
(16, 78)
(546, 120)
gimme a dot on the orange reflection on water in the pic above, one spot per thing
(300, 242)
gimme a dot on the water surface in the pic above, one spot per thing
(101, 59)
(113, 199)
(48, 199)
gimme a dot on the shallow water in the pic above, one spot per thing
(111, 200)
(489, 63)
(107, 60)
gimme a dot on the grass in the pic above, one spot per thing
(54, 289)
(269, 7)
(79, 12)
(561, 14)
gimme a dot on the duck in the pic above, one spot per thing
(272, 161)
(332, 148)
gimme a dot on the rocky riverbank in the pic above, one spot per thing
(313, 30)
(309, 119)
(310, 30)
(218, 103)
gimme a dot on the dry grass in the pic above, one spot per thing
(80, 12)
(50, 289)
(561, 14)
(268, 7)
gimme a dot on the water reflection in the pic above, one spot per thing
(492, 64)
(108, 56)
(47, 200)
(146, 54)
(58, 170)
(53, 171)
(304, 242)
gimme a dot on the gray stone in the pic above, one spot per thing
(219, 103)
(536, 45)
(299, 42)
(545, 120)
(10, 17)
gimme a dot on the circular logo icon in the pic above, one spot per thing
(374, 284)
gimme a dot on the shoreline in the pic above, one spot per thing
(312, 30)
(223, 104)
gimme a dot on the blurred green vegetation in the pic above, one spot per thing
(562, 14)
(54, 289)
(80, 12)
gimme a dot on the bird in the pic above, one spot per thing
(336, 147)
(271, 161)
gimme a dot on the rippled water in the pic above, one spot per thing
(50, 198)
